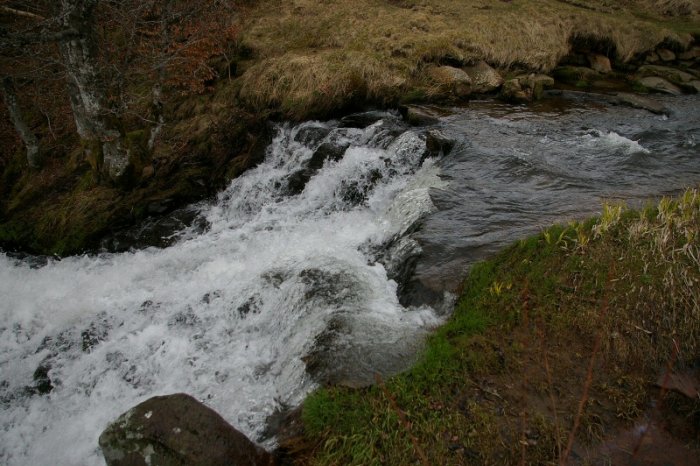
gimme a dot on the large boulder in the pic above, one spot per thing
(177, 430)
(451, 79)
(484, 79)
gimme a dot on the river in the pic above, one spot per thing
(328, 262)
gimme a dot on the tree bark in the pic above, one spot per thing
(97, 126)
(29, 139)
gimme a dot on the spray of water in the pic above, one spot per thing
(285, 278)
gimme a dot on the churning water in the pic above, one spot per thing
(295, 277)
(287, 274)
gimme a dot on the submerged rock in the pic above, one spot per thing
(177, 430)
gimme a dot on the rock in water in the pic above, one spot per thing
(177, 430)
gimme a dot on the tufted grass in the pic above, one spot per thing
(312, 56)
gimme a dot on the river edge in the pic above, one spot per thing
(561, 348)
(63, 210)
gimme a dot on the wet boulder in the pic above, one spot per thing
(438, 143)
(311, 135)
(484, 79)
(363, 119)
(419, 116)
(177, 430)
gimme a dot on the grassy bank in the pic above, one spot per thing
(555, 347)
(313, 57)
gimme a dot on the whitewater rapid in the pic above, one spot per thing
(228, 315)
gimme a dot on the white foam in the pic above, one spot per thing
(612, 140)
(225, 316)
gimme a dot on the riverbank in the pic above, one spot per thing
(303, 59)
(577, 344)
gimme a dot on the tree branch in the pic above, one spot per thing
(24, 14)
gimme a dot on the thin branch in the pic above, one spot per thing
(24, 14)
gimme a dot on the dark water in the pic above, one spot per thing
(516, 170)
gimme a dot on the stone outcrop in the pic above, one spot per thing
(682, 79)
(177, 430)
(657, 84)
(666, 55)
(484, 79)
(525, 88)
(451, 79)
(637, 101)
(600, 63)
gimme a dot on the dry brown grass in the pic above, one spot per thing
(314, 55)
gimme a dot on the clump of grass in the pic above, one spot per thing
(554, 344)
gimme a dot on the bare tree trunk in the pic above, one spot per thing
(29, 139)
(97, 126)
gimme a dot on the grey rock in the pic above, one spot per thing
(452, 79)
(673, 75)
(484, 79)
(420, 116)
(363, 119)
(641, 102)
(177, 430)
(666, 55)
(438, 143)
(600, 63)
(656, 84)
(525, 88)
(693, 54)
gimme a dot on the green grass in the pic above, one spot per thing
(516, 349)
